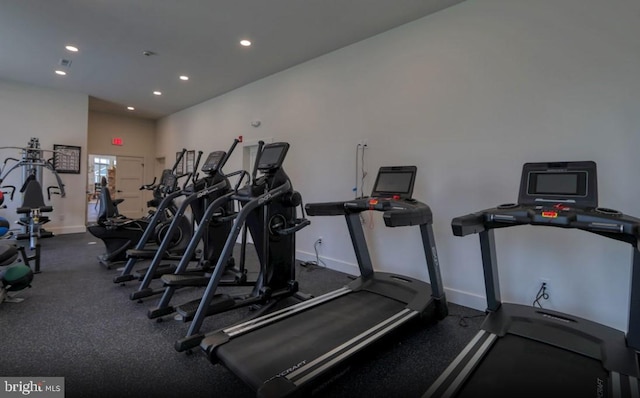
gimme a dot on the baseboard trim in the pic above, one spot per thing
(455, 296)
(331, 263)
(73, 229)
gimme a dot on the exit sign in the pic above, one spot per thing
(116, 141)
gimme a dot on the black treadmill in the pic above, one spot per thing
(525, 351)
(281, 353)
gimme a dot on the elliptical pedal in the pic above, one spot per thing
(220, 303)
(195, 280)
(159, 272)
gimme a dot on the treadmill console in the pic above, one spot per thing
(392, 194)
(572, 183)
(213, 162)
(562, 194)
(394, 182)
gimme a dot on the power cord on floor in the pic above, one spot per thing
(463, 319)
(542, 294)
(318, 263)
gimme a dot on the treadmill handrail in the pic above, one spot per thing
(605, 222)
(396, 212)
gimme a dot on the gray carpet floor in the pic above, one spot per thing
(77, 324)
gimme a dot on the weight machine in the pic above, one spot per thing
(32, 163)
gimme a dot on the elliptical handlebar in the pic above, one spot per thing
(227, 156)
(243, 174)
(255, 166)
(178, 160)
(149, 187)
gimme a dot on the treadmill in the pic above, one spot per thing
(525, 351)
(287, 351)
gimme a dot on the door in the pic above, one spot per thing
(129, 176)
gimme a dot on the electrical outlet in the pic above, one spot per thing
(363, 142)
(319, 240)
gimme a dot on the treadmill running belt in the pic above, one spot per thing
(261, 355)
(519, 367)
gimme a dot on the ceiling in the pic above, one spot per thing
(196, 38)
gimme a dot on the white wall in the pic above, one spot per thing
(54, 117)
(468, 95)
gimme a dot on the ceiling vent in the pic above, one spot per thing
(65, 62)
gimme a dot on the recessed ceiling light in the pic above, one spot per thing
(73, 49)
(245, 43)
(131, 108)
(61, 72)
(183, 77)
(157, 93)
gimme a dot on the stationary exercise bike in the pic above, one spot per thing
(116, 231)
(120, 233)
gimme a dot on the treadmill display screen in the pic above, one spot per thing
(393, 181)
(563, 184)
(574, 183)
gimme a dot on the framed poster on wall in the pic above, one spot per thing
(180, 166)
(191, 159)
(66, 159)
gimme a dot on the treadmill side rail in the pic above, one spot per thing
(315, 368)
(212, 340)
(450, 381)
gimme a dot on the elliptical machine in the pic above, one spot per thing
(268, 209)
(203, 191)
